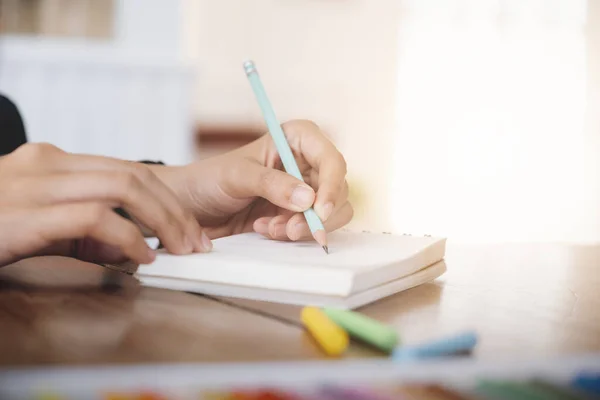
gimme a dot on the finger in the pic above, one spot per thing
(324, 157)
(297, 228)
(46, 225)
(261, 225)
(272, 227)
(277, 227)
(178, 216)
(122, 189)
(91, 250)
(250, 179)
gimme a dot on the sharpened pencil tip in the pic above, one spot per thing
(326, 249)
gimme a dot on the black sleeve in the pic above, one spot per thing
(152, 162)
(12, 129)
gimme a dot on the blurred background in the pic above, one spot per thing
(478, 120)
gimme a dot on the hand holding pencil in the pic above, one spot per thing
(284, 150)
(249, 189)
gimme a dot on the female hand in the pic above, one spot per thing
(58, 203)
(247, 189)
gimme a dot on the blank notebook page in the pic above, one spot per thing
(252, 260)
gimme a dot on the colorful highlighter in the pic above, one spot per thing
(332, 338)
(462, 343)
(364, 328)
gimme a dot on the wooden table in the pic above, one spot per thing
(523, 300)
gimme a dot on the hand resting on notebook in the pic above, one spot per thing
(246, 190)
(51, 199)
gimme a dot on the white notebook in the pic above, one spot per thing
(361, 268)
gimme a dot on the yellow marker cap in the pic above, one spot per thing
(333, 339)
(48, 396)
(118, 396)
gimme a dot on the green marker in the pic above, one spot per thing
(366, 329)
(514, 390)
(566, 394)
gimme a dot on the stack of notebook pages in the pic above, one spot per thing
(362, 267)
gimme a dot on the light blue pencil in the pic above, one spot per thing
(283, 148)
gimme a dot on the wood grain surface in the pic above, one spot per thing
(523, 300)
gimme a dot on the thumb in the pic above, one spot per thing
(278, 187)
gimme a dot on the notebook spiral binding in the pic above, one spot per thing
(385, 233)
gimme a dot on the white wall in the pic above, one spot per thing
(128, 97)
(592, 121)
(329, 61)
(150, 27)
(492, 138)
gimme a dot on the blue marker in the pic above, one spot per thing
(589, 383)
(283, 148)
(464, 342)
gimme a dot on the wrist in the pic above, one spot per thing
(175, 177)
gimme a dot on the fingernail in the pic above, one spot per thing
(206, 243)
(274, 230)
(188, 247)
(262, 227)
(302, 197)
(151, 255)
(326, 211)
(297, 231)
